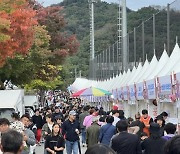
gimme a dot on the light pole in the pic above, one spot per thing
(92, 51)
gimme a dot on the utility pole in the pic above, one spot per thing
(122, 33)
(92, 51)
(91, 2)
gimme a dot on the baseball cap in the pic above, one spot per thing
(72, 112)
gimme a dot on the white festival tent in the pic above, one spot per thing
(173, 60)
(114, 80)
(152, 66)
(128, 74)
(165, 73)
(138, 70)
(80, 83)
(159, 66)
(109, 83)
(149, 71)
(119, 80)
(130, 106)
(126, 81)
(144, 69)
(176, 68)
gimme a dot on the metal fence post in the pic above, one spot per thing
(168, 28)
(113, 60)
(134, 46)
(154, 32)
(143, 51)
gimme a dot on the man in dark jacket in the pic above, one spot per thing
(70, 129)
(125, 143)
(154, 144)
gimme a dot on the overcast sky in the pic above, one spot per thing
(132, 4)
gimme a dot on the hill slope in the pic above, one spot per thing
(78, 22)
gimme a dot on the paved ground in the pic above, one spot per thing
(40, 149)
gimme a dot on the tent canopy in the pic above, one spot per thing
(10, 98)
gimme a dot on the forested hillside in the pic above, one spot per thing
(78, 22)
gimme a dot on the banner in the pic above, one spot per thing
(151, 89)
(132, 92)
(165, 88)
(125, 92)
(115, 94)
(177, 84)
(140, 89)
(120, 94)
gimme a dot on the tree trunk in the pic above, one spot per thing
(42, 97)
(2, 85)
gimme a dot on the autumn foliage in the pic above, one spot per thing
(33, 43)
(61, 44)
(20, 30)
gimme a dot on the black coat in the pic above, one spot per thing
(153, 146)
(38, 121)
(126, 143)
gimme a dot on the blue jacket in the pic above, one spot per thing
(106, 133)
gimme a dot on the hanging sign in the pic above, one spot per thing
(140, 89)
(177, 85)
(151, 89)
(125, 92)
(132, 92)
(165, 88)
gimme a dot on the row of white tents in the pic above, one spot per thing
(137, 88)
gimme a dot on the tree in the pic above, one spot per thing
(4, 24)
(61, 44)
(22, 69)
(7, 7)
(20, 31)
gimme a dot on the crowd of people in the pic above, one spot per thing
(64, 120)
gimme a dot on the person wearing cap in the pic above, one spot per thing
(92, 133)
(161, 122)
(154, 144)
(70, 130)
